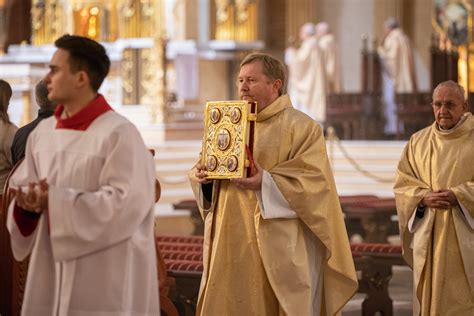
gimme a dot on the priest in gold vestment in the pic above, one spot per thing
(434, 192)
(275, 242)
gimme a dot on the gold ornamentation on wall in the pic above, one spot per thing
(142, 70)
(242, 7)
(47, 21)
(88, 21)
(236, 20)
(140, 18)
(96, 19)
(128, 16)
(103, 20)
(147, 22)
(246, 21)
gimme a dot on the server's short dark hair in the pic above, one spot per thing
(87, 55)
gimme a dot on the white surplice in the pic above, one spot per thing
(92, 252)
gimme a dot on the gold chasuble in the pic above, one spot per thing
(257, 266)
(441, 249)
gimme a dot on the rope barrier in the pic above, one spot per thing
(332, 137)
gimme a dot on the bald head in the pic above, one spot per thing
(455, 87)
(449, 104)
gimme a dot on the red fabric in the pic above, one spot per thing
(81, 120)
(26, 221)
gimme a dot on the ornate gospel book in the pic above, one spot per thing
(229, 129)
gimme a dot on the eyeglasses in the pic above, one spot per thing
(448, 105)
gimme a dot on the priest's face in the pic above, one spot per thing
(60, 80)
(448, 106)
(254, 85)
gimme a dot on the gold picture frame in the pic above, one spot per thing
(229, 128)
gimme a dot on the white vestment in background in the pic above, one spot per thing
(398, 73)
(307, 80)
(327, 45)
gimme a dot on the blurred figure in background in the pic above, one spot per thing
(398, 73)
(328, 47)
(7, 132)
(307, 79)
(46, 109)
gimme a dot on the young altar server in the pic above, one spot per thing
(85, 195)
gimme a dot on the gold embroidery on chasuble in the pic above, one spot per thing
(443, 252)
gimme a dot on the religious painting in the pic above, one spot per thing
(451, 19)
(235, 115)
(211, 163)
(215, 116)
(229, 128)
(223, 139)
(232, 163)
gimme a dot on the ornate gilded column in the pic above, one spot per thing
(153, 80)
(128, 17)
(154, 77)
(224, 20)
(246, 20)
(129, 74)
(143, 69)
(138, 18)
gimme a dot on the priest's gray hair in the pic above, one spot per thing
(309, 29)
(450, 84)
(391, 23)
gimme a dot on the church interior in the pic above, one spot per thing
(170, 57)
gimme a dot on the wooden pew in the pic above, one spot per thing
(355, 115)
(371, 216)
(414, 113)
(374, 261)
